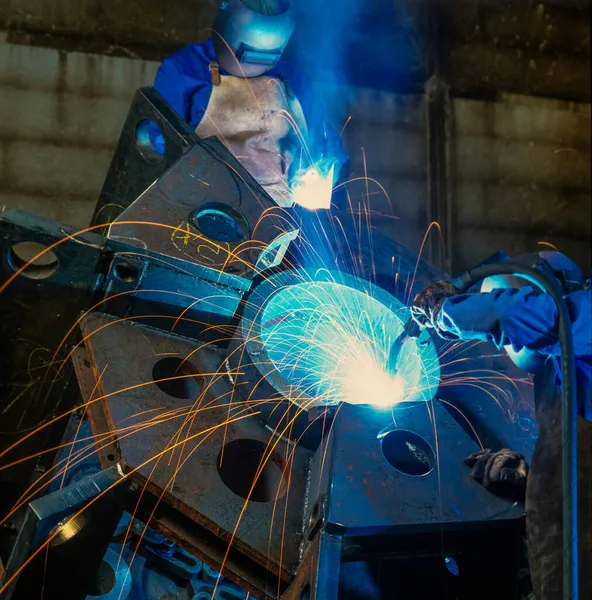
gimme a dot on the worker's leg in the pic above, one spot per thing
(544, 496)
(543, 505)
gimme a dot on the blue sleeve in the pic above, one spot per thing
(172, 86)
(523, 318)
(520, 317)
(184, 81)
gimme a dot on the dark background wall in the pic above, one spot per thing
(508, 167)
(540, 48)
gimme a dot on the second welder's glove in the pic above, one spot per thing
(428, 303)
(503, 472)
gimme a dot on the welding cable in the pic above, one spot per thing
(569, 454)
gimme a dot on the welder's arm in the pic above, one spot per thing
(517, 317)
(172, 85)
(186, 85)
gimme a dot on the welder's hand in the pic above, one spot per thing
(503, 472)
(427, 303)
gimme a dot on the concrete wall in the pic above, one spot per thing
(387, 143)
(519, 170)
(146, 29)
(62, 114)
(484, 46)
(520, 166)
(60, 118)
(521, 174)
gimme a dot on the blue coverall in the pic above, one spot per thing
(185, 81)
(526, 318)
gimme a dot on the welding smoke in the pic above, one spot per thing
(327, 31)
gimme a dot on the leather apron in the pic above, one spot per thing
(260, 121)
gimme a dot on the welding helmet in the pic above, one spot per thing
(250, 35)
(551, 263)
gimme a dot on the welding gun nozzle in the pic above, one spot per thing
(411, 330)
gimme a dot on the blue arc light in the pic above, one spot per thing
(330, 338)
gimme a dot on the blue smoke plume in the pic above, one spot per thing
(326, 32)
(365, 43)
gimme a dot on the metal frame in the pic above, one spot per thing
(334, 516)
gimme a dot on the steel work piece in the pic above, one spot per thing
(193, 475)
(197, 366)
(65, 522)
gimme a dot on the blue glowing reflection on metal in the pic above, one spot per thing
(312, 187)
(331, 339)
(219, 222)
(275, 252)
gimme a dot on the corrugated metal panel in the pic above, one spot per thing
(386, 141)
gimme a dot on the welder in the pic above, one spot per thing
(237, 87)
(512, 312)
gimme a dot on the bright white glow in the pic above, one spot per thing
(332, 342)
(312, 188)
(367, 382)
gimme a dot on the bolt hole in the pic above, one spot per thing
(104, 581)
(220, 222)
(65, 530)
(176, 377)
(408, 452)
(238, 464)
(126, 272)
(150, 141)
(23, 254)
(159, 513)
(111, 457)
(305, 593)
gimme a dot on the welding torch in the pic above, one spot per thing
(410, 330)
(414, 326)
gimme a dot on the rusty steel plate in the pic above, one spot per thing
(212, 214)
(124, 358)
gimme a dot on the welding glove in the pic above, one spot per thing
(428, 303)
(502, 473)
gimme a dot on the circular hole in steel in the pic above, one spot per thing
(239, 464)
(104, 581)
(305, 593)
(111, 457)
(176, 377)
(65, 530)
(408, 452)
(150, 141)
(220, 222)
(126, 272)
(22, 254)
